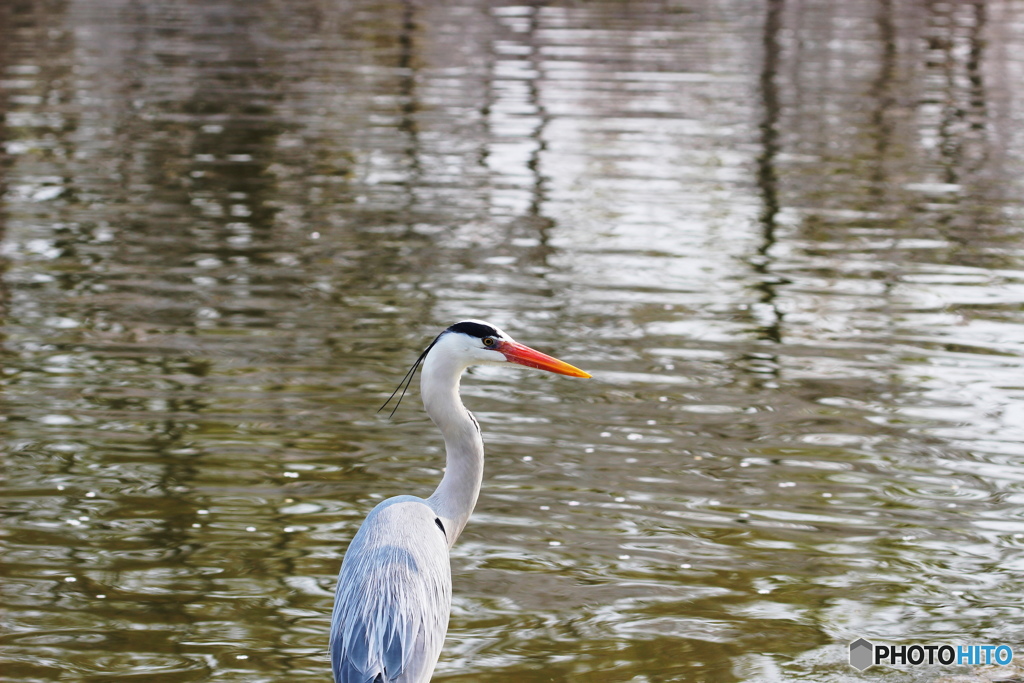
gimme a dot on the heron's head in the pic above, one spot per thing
(477, 342)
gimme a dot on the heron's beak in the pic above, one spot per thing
(515, 352)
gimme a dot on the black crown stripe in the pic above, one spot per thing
(473, 329)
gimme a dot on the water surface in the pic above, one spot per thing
(785, 237)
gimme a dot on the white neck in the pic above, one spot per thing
(455, 497)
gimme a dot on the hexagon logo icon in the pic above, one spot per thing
(861, 654)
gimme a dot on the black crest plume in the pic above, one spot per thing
(407, 380)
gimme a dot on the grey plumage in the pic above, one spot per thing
(393, 598)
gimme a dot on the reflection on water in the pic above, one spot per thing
(786, 240)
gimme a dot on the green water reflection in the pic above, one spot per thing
(786, 238)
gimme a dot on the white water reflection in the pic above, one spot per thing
(785, 241)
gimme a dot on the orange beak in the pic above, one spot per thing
(515, 352)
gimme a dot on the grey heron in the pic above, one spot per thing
(394, 591)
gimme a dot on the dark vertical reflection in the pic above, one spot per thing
(767, 177)
(881, 94)
(975, 63)
(956, 45)
(955, 40)
(6, 161)
(539, 225)
(6, 38)
(882, 125)
(535, 89)
(409, 108)
(976, 98)
(943, 46)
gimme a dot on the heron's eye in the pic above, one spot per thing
(489, 341)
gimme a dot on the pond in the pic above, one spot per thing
(786, 238)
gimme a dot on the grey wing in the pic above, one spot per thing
(393, 598)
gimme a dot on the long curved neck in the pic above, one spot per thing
(455, 497)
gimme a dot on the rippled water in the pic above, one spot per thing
(786, 238)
